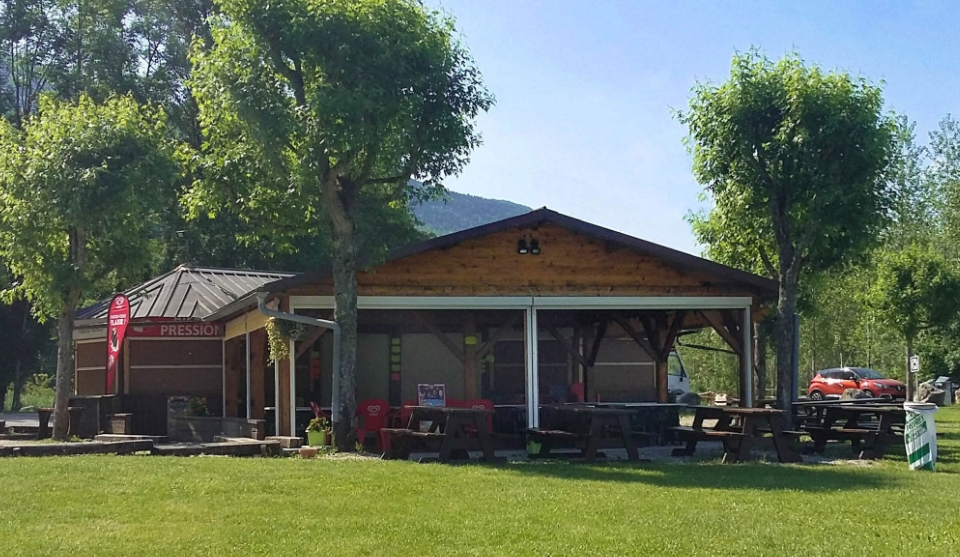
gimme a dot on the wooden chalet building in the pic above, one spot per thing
(516, 311)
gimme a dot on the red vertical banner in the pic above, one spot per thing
(117, 320)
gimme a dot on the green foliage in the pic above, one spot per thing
(78, 191)
(794, 159)
(37, 393)
(915, 291)
(296, 94)
(318, 424)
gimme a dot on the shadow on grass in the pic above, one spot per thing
(751, 476)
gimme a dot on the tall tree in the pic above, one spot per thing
(311, 108)
(78, 191)
(915, 291)
(794, 159)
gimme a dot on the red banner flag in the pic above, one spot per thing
(117, 320)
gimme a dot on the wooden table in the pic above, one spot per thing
(457, 430)
(843, 422)
(591, 438)
(813, 409)
(738, 441)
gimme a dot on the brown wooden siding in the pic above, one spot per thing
(569, 264)
(92, 354)
(173, 382)
(91, 381)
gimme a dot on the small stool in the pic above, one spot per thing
(43, 414)
(75, 413)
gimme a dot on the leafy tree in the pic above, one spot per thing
(915, 291)
(311, 108)
(794, 159)
(78, 188)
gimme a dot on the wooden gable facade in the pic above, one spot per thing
(575, 259)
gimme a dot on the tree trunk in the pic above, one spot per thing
(61, 418)
(16, 403)
(786, 307)
(345, 314)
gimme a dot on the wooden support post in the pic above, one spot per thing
(258, 360)
(283, 401)
(471, 374)
(232, 376)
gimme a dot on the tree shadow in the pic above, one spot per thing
(712, 475)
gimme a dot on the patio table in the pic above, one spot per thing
(845, 422)
(457, 430)
(601, 421)
(739, 440)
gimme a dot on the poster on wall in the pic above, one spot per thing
(117, 319)
(431, 394)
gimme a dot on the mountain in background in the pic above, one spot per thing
(461, 211)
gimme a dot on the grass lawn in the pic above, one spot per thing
(220, 506)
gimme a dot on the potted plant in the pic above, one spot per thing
(318, 431)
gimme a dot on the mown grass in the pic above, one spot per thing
(220, 506)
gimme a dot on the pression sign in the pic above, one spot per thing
(176, 330)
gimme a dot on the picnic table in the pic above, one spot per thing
(738, 440)
(595, 427)
(854, 423)
(453, 431)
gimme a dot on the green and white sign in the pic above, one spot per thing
(920, 435)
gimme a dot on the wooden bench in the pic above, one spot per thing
(554, 439)
(821, 435)
(731, 439)
(399, 446)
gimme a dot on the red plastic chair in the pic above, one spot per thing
(576, 392)
(398, 419)
(373, 417)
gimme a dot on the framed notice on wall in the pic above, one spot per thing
(431, 394)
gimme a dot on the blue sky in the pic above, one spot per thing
(585, 90)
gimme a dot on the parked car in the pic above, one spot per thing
(832, 383)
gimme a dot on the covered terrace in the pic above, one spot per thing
(522, 312)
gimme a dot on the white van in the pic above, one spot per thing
(677, 380)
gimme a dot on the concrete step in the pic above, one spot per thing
(63, 449)
(287, 442)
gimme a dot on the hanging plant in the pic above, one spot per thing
(279, 334)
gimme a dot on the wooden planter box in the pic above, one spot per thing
(119, 424)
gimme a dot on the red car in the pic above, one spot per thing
(832, 383)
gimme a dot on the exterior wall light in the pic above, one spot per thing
(522, 246)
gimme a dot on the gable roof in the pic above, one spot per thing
(540, 217)
(187, 292)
